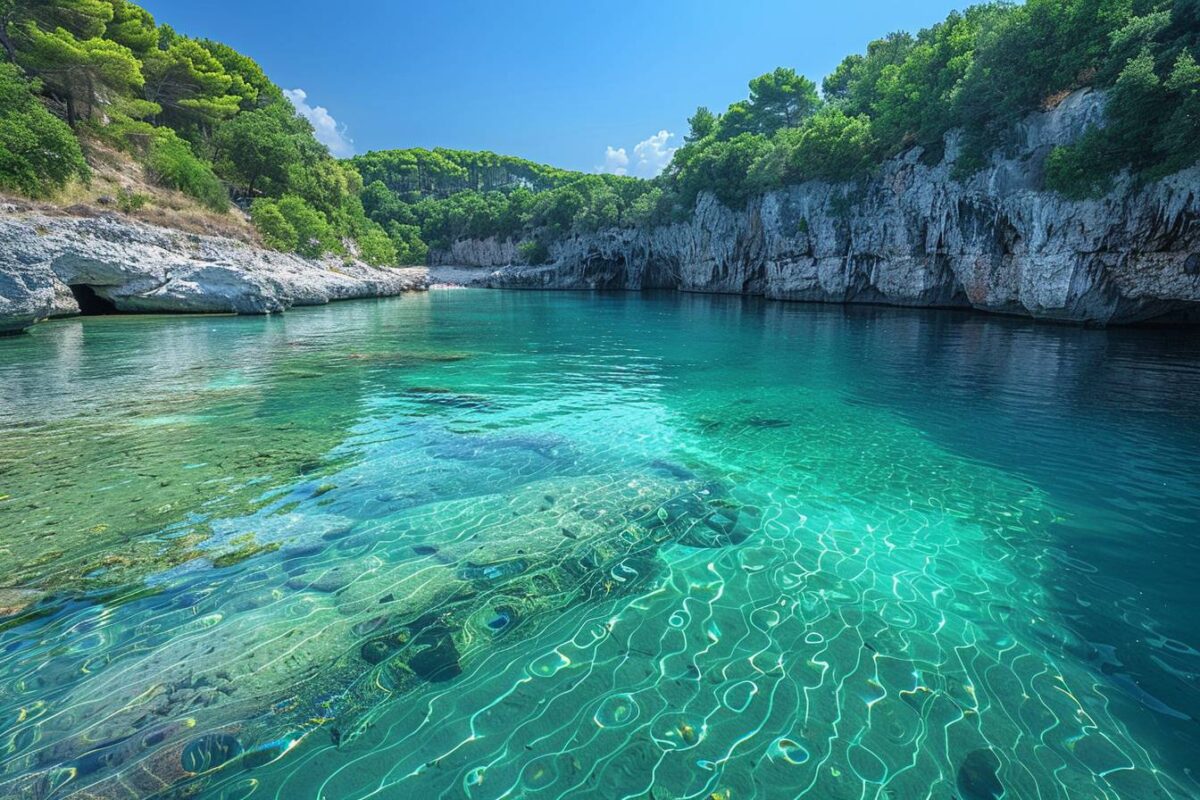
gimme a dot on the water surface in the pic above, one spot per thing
(489, 544)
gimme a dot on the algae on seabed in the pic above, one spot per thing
(110, 494)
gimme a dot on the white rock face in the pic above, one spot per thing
(915, 236)
(142, 268)
(490, 252)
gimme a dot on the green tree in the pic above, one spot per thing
(830, 146)
(701, 124)
(723, 167)
(38, 153)
(83, 19)
(80, 71)
(314, 236)
(133, 27)
(273, 226)
(1178, 142)
(186, 80)
(256, 149)
(782, 99)
(534, 251)
(410, 247)
(248, 82)
(376, 247)
(854, 83)
(172, 163)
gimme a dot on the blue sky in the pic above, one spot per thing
(558, 82)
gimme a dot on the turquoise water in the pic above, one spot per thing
(553, 545)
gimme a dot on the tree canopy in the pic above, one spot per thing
(203, 119)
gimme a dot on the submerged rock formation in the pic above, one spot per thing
(406, 603)
(915, 236)
(60, 265)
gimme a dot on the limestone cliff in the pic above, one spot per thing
(915, 236)
(50, 264)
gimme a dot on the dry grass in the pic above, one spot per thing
(1051, 102)
(114, 172)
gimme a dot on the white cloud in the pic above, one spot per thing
(329, 131)
(653, 154)
(616, 161)
(650, 156)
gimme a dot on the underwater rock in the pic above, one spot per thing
(375, 651)
(111, 755)
(209, 752)
(501, 621)
(266, 753)
(363, 631)
(673, 470)
(703, 518)
(767, 422)
(339, 532)
(369, 626)
(493, 572)
(14, 601)
(329, 581)
(300, 550)
(439, 662)
(467, 448)
(978, 777)
(437, 396)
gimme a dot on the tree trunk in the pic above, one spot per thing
(6, 42)
(91, 96)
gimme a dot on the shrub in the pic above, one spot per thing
(273, 226)
(722, 167)
(314, 236)
(534, 251)
(374, 247)
(129, 201)
(410, 249)
(38, 152)
(172, 163)
(831, 146)
(1081, 170)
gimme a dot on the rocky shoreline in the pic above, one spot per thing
(51, 266)
(913, 235)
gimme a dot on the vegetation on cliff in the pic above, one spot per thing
(204, 119)
(980, 71)
(200, 117)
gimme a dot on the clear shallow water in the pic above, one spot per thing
(485, 544)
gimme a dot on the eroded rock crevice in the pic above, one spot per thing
(91, 303)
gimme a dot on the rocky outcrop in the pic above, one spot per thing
(915, 236)
(490, 252)
(49, 265)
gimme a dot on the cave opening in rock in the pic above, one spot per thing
(90, 303)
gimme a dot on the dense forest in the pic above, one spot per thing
(201, 117)
(204, 119)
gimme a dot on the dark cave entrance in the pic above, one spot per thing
(90, 303)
